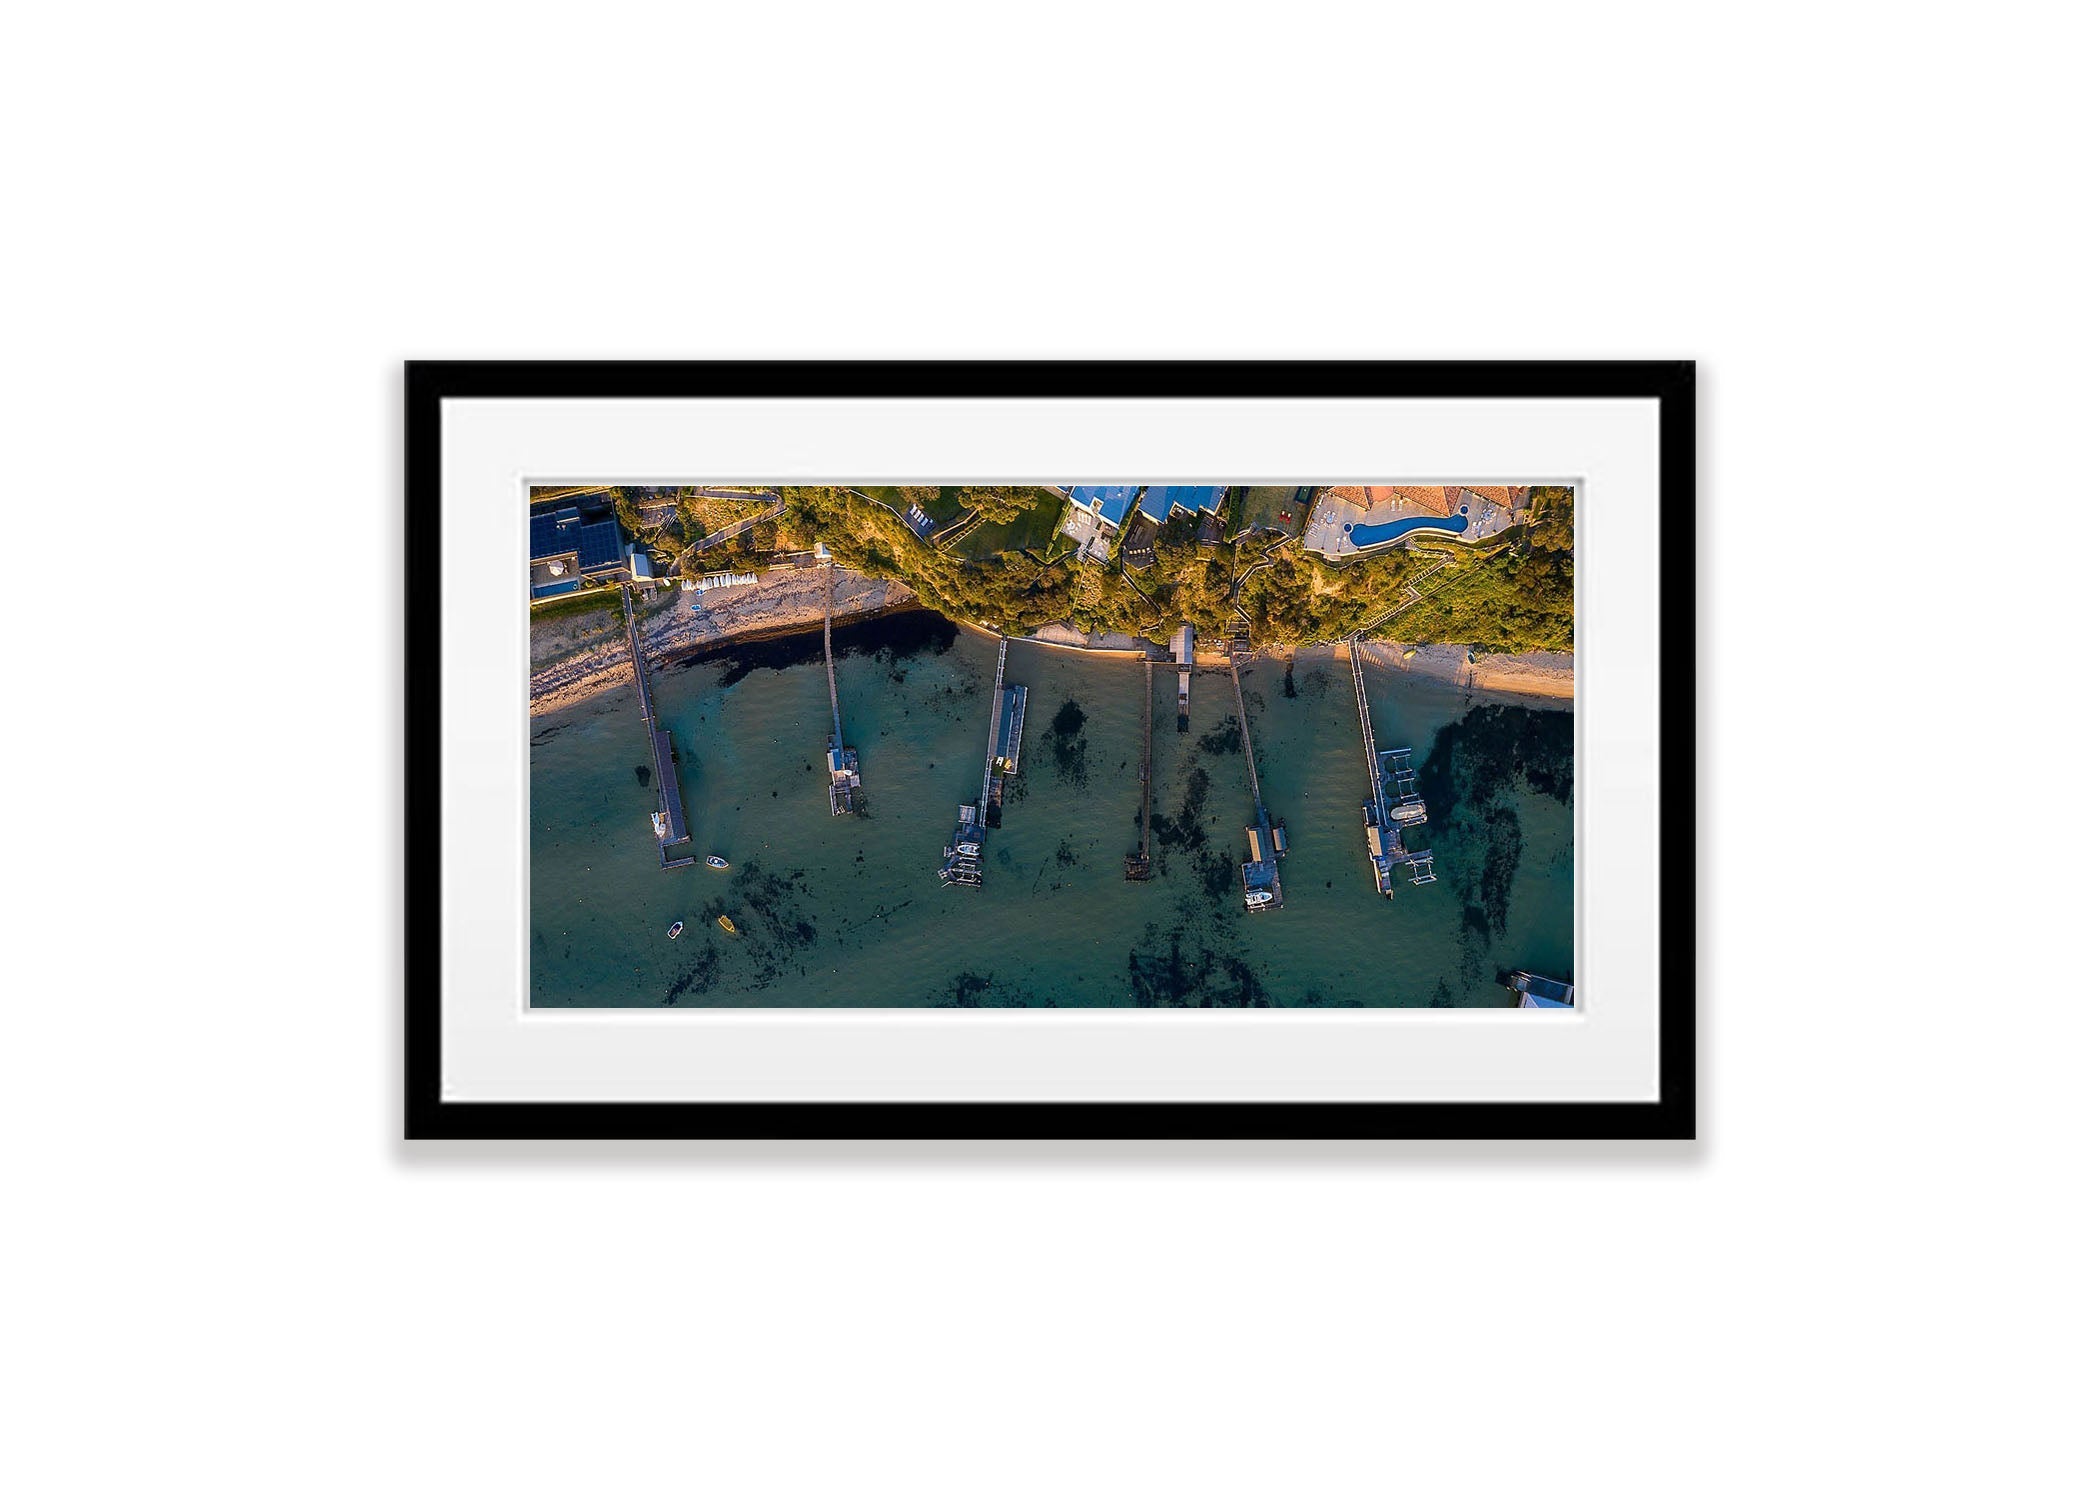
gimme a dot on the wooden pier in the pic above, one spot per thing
(962, 858)
(669, 818)
(831, 676)
(1185, 662)
(1259, 875)
(1138, 866)
(841, 760)
(1239, 701)
(962, 861)
(1394, 805)
(991, 738)
(1363, 713)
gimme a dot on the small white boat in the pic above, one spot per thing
(676, 928)
(716, 862)
(1260, 898)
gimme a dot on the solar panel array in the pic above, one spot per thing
(596, 543)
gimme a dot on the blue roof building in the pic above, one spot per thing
(1537, 992)
(567, 549)
(1162, 500)
(1110, 501)
(1099, 511)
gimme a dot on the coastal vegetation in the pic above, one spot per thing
(1514, 593)
(1519, 596)
(995, 558)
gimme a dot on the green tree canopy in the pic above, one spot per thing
(997, 503)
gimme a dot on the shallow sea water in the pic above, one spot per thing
(847, 911)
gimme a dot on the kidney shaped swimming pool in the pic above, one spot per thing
(1372, 535)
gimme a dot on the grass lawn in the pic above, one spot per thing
(940, 511)
(589, 601)
(1031, 530)
(1267, 505)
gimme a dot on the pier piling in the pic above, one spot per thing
(669, 818)
(841, 760)
(962, 861)
(1394, 804)
(1139, 866)
(991, 738)
(1262, 880)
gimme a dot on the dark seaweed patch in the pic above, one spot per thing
(698, 976)
(641, 775)
(1219, 872)
(773, 925)
(1505, 846)
(902, 634)
(1495, 748)
(1066, 745)
(1184, 973)
(1186, 830)
(1473, 771)
(1471, 780)
(972, 991)
(1224, 740)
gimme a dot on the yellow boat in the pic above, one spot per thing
(726, 925)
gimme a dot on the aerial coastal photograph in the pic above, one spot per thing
(1007, 745)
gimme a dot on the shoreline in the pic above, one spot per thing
(790, 603)
(573, 661)
(1535, 679)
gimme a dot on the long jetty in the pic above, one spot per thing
(1246, 732)
(1394, 804)
(991, 739)
(1262, 880)
(1139, 866)
(831, 676)
(962, 861)
(841, 760)
(1363, 716)
(670, 807)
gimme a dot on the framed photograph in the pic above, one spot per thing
(1067, 750)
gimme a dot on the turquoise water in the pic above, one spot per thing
(846, 911)
(1366, 535)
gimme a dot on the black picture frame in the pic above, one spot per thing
(428, 1116)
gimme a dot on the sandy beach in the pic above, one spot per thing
(1541, 679)
(577, 659)
(1537, 679)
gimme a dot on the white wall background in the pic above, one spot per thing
(228, 224)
